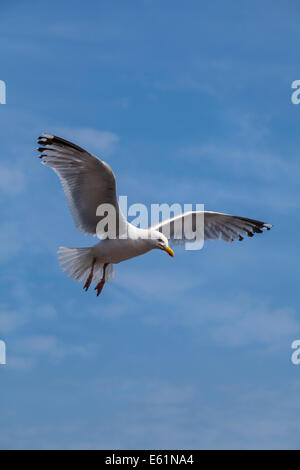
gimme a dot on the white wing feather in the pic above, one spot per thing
(86, 180)
(216, 226)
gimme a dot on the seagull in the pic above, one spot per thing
(89, 182)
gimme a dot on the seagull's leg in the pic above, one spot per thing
(90, 278)
(100, 285)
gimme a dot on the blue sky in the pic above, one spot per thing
(188, 103)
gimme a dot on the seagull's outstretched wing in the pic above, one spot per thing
(86, 180)
(216, 226)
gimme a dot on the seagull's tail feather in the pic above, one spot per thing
(77, 263)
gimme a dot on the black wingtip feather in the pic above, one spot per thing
(54, 140)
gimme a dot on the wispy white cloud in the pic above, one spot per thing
(10, 320)
(10, 240)
(161, 414)
(12, 180)
(35, 347)
(152, 392)
(149, 284)
(20, 363)
(46, 311)
(250, 321)
(236, 160)
(93, 140)
(243, 320)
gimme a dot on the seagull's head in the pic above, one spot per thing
(161, 242)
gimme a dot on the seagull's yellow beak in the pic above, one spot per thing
(169, 251)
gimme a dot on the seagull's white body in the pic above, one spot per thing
(118, 250)
(89, 182)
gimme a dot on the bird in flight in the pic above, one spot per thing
(89, 182)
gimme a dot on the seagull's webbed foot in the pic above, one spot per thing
(90, 278)
(100, 284)
(88, 283)
(99, 287)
